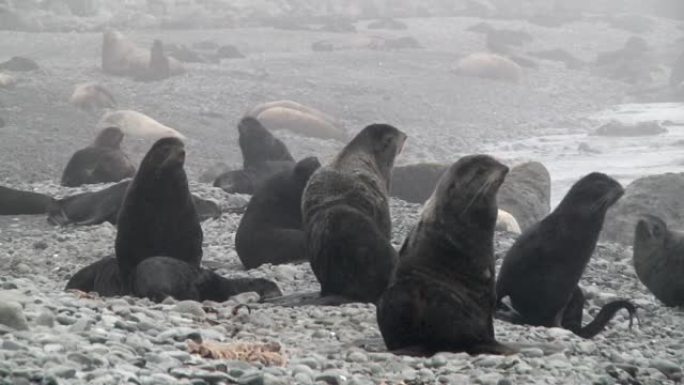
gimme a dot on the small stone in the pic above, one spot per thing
(489, 361)
(190, 307)
(437, 361)
(532, 352)
(12, 315)
(40, 245)
(333, 377)
(46, 318)
(668, 368)
(64, 319)
(82, 325)
(63, 372)
(12, 345)
(357, 357)
(245, 298)
(489, 379)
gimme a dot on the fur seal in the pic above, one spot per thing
(102, 162)
(263, 156)
(541, 271)
(18, 202)
(271, 229)
(92, 96)
(526, 193)
(441, 297)
(159, 277)
(297, 118)
(345, 209)
(157, 217)
(659, 259)
(134, 123)
(93, 208)
(490, 66)
(101, 277)
(123, 58)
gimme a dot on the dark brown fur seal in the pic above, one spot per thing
(345, 208)
(441, 297)
(19, 202)
(158, 217)
(263, 156)
(541, 271)
(101, 277)
(93, 208)
(271, 229)
(102, 162)
(659, 259)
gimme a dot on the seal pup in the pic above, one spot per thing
(134, 123)
(19, 202)
(271, 229)
(441, 297)
(93, 208)
(490, 66)
(347, 224)
(101, 277)
(659, 259)
(541, 271)
(157, 217)
(159, 277)
(91, 97)
(297, 118)
(101, 162)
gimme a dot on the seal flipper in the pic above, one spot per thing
(214, 287)
(572, 316)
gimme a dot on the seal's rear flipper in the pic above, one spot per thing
(212, 286)
(572, 316)
(309, 299)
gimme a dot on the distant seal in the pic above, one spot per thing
(415, 182)
(263, 156)
(659, 259)
(541, 271)
(91, 97)
(157, 217)
(297, 118)
(271, 229)
(101, 162)
(526, 193)
(490, 66)
(18, 202)
(159, 67)
(345, 209)
(441, 297)
(135, 124)
(123, 58)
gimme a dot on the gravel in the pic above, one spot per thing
(50, 336)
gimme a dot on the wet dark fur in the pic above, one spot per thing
(159, 277)
(659, 259)
(263, 156)
(102, 162)
(158, 216)
(541, 272)
(346, 216)
(93, 208)
(271, 229)
(441, 297)
(101, 277)
(18, 202)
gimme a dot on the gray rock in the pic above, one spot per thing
(333, 377)
(190, 307)
(526, 193)
(46, 318)
(668, 368)
(12, 315)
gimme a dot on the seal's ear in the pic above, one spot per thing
(306, 167)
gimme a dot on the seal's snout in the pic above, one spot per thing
(401, 142)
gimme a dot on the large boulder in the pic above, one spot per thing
(659, 195)
(526, 193)
(416, 182)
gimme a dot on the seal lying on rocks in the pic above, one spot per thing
(541, 271)
(346, 216)
(271, 229)
(441, 297)
(102, 162)
(93, 208)
(19, 202)
(659, 259)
